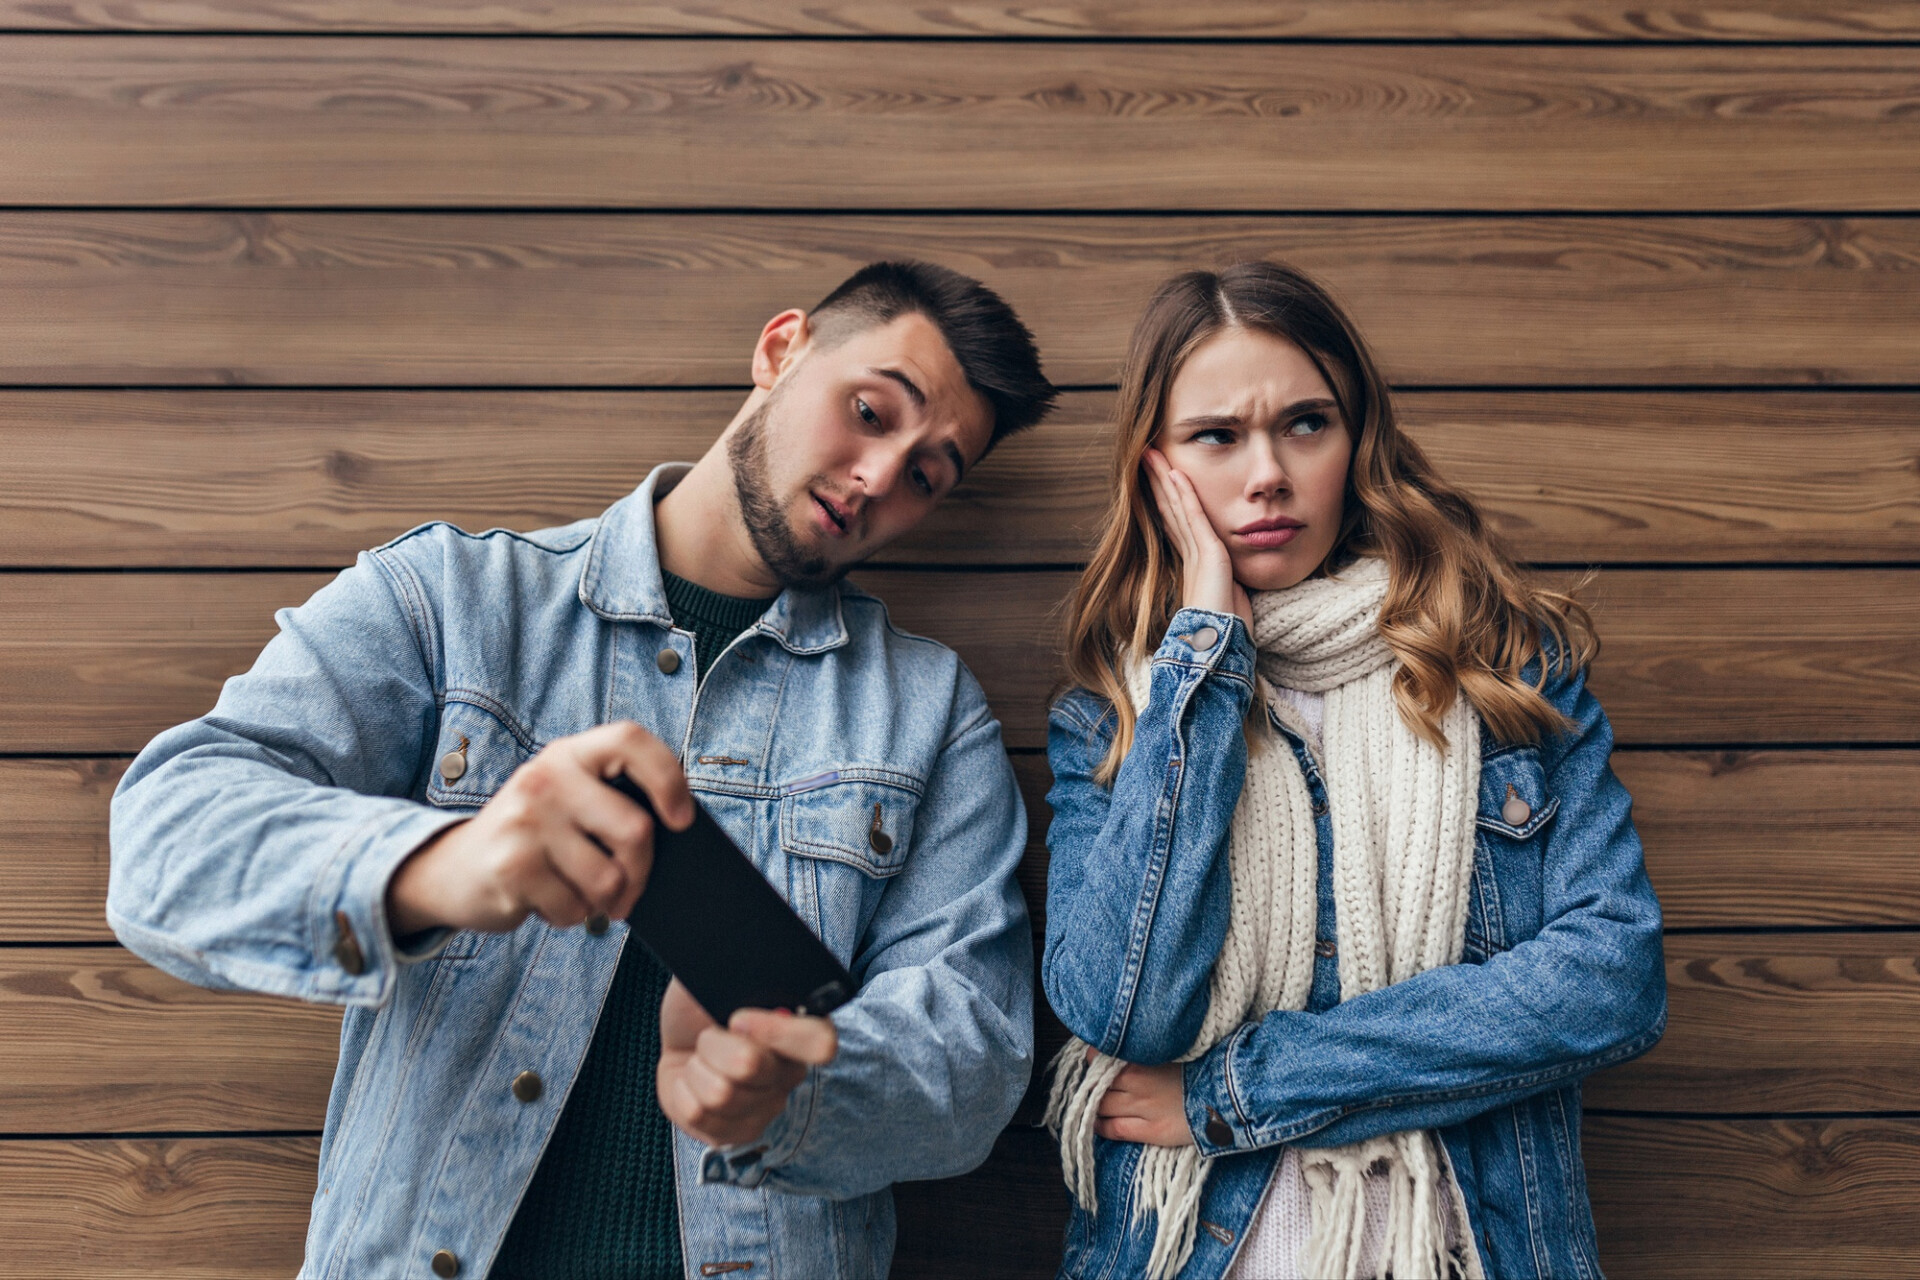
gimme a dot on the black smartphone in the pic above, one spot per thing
(716, 924)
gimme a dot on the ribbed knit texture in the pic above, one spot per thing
(713, 618)
(1402, 814)
(601, 1205)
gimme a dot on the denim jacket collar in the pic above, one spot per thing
(622, 579)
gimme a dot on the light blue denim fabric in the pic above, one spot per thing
(1562, 972)
(238, 837)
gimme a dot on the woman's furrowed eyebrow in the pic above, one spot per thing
(1293, 410)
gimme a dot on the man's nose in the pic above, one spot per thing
(877, 473)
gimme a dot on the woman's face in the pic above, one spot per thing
(1254, 426)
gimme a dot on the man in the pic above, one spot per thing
(401, 808)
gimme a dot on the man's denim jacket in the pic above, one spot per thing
(252, 849)
(1562, 972)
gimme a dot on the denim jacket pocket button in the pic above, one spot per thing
(668, 661)
(1204, 639)
(445, 1264)
(1515, 811)
(1219, 1132)
(346, 949)
(527, 1086)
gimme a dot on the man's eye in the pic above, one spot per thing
(920, 481)
(867, 415)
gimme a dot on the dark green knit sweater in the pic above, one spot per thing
(601, 1205)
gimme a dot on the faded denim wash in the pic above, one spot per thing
(238, 837)
(1562, 972)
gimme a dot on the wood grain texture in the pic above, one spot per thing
(182, 1209)
(1768, 838)
(284, 478)
(108, 119)
(1771, 1199)
(672, 299)
(1749, 839)
(100, 1041)
(1672, 1198)
(102, 662)
(1785, 20)
(1780, 1022)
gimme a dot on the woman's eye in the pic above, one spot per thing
(1213, 435)
(1311, 424)
(867, 415)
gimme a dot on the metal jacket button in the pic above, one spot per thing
(597, 924)
(668, 661)
(346, 948)
(1219, 1133)
(445, 1264)
(878, 840)
(1515, 811)
(1204, 639)
(527, 1086)
(1325, 949)
(453, 765)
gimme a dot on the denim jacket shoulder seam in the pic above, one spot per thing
(411, 593)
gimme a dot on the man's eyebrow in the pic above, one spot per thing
(914, 393)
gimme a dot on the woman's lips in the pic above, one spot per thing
(1266, 535)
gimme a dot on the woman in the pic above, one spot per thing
(1344, 897)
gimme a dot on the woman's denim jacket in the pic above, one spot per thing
(252, 848)
(1562, 972)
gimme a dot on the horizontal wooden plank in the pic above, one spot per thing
(673, 299)
(1784, 20)
(100, 1041)
(101, 662)
(1751, 839)
(181, 1208)
(1780, 1022)
(191, 478)
(1768, 838)
(1768, 1199)
(1672, 1198)
(259, 121)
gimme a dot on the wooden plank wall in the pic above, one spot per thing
(278, 280)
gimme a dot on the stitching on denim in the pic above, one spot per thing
(498, 710)
(411, 593)
(1580, 1067)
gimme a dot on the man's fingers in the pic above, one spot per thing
(681, 1018)
(624, 747)
(745, 1061)
(622, 835)
(556, 901)
(810, 1040)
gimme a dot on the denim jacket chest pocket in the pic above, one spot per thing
(1509, 847)
(475, 754)
(843, 842)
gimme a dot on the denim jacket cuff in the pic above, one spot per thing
(747, 1164)
(1216, 641)
(356, 959)
(1213, 1112)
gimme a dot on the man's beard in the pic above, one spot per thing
(773, 537)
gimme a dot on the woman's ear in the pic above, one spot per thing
(781, 344)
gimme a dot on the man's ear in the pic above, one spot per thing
(781, 344)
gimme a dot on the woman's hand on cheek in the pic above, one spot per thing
(1148, 1105)
(1206, 569)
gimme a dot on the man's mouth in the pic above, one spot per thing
(836, 518)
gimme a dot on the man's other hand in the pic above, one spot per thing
(725, 1085)
(556, 841)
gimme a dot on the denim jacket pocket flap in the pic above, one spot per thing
(864, 823)
(1514, 786)
(475, 755)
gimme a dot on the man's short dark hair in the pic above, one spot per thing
(994, 349)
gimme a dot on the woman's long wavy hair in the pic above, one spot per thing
(1459, 615)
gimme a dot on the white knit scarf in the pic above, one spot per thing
(1403, 814)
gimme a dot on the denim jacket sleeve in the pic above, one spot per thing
(937, 1047)
(247, 844)
(1587, 991)
(1137, 887)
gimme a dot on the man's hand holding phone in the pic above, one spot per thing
(531, 850)
(725, 1085)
